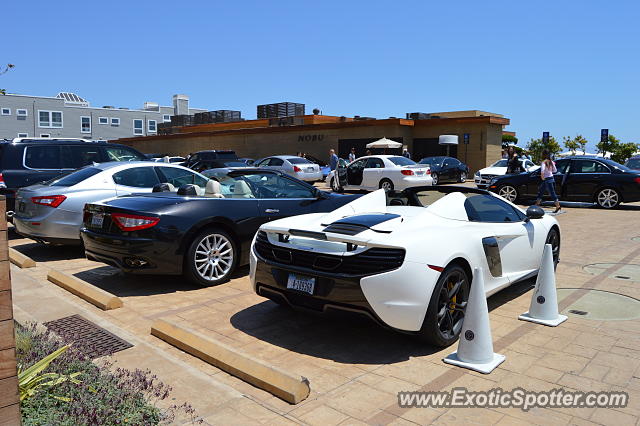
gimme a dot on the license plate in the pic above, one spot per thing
(309, 169)
(301, 283)
(97, 219)
(419, 173)
(21, 206)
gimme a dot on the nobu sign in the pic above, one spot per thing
(310, 138)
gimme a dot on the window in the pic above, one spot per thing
(121, 153)
(76, 177)
(487, 208)
(274, 162)
(562, 166)
(76, 156)
(178, 177)
(138, 177)
(271, 185)
(45, 135)
(152, 126)
(588, 166)
(103, 120)
(21, 114)
(138, 128)
(115, 121)
(166, 117)
(298, 160)
(85, 124)
(42, 157)
(50, 119)
(402, 161)
(23, 135)
(6, 111)
(374, 163)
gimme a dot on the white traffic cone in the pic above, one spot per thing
(475, 347)
(544, 301)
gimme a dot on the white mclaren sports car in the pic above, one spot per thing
(405, 258)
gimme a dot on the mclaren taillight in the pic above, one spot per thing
(2, 184)
(133, 222)
(49, 200)
(297, 169)
(406, 172)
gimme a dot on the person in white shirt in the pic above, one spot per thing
(547, 169)
(352, 155)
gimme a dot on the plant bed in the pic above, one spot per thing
(70, 389)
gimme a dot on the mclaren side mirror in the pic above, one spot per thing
(535, 212)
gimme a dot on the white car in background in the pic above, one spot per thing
(499, 168)
(405, 258)
(388, 172)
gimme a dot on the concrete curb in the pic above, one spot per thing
(288, 387)
(20, 259)
(98, 297)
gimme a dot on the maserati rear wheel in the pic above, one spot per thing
(211, 258)
(443, 321)
(508, 192)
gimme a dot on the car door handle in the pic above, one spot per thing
(272, 211)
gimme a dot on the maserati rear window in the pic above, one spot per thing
(76, 177)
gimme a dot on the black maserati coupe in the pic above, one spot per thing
(202, 231)
(445, 169)
(579, 178)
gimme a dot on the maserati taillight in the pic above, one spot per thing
(133, 222)
(49, 200)
(407, 172)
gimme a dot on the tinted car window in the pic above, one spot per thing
(276, 162)
(42, 157)
(401, 161)
(562, 166)
(486, 208)
(76, 177)
(358, 164)
(298, 160)
(138, 177)
(271, 185)
(500, 163)
(121, 153)
(178, 177)
(588, 166)
(374, 163)
(76, 156)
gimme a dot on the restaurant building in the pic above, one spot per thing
(316, 134)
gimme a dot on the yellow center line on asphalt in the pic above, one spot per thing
(389, 414)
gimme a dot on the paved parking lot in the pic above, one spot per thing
(355, 367)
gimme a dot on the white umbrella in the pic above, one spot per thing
(384, 143)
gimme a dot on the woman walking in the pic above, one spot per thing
(547, 169)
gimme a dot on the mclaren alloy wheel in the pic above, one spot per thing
(443, 322)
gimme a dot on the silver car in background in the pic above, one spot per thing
(51, 212)
(298, 167)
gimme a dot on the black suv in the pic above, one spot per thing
(204, 160)
(25, 162)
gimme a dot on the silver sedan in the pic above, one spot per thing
(52, 211)
(297, 167)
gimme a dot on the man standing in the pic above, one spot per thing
(406, 154)
(333, 159)
(352, 155)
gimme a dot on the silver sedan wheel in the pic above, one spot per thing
(386, 185)
(213, 257)
(608, 198)
(508, 192)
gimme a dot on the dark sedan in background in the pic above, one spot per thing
(633, 162)
(446, 169)
(579, 178)
(206, 236)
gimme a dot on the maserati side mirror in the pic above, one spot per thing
(535, 212)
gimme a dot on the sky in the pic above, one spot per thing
(567, 67)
